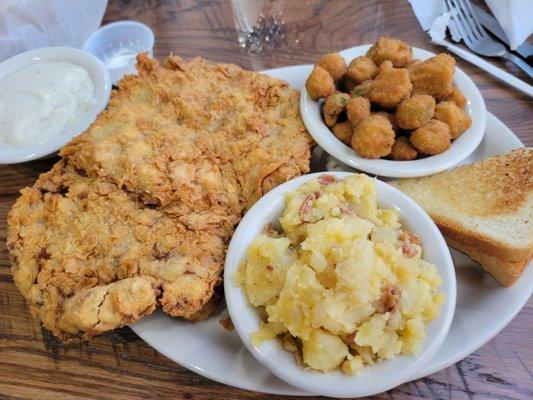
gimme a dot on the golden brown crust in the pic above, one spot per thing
(357, 109)
(432, 138)
(362, 69)
(90, 312)
(483, 242)
(457, 97)
(390, 87)
(333, 63)
(402, 149)
(389, 49)
(320, 83)
(373, 137)
(343, 131)
(415, 111)
(434, 76)
(505, 272)
(140, 209)
(456, 118)
(170, 135)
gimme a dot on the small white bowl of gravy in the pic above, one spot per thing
(48, 96)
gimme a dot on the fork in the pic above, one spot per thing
(476, 37)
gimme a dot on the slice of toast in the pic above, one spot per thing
(484, 209)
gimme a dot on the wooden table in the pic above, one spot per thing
(34, 365)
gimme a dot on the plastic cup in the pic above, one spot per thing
(117, 45)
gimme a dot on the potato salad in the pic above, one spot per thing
(340, 282)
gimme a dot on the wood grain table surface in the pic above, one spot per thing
(119, 365)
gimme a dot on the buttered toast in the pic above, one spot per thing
(484, 209)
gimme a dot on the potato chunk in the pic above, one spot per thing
(324, 351)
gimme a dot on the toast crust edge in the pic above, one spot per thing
(505, 272)
(481, 242)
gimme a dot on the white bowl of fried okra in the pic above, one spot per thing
(392, 110)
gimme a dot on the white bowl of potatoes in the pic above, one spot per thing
(418, 116)
(356, 325)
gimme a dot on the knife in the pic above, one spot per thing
(492, 24)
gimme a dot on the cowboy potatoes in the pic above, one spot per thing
(343, 284)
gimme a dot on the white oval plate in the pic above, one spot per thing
(461, 148)
(483, 307)
(371, 380)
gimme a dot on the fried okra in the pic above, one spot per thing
(390, 117)
(343, 131)
(387, 92)
(357, 109)
(386, 66)
(457, 97)
(386, 48)
(320, 83)
(456, 118)
(415, 111)
(413, 64)
(362, 69)
(433, 138)
(334, 105)
(373, 137)
(333, 63)
(433, 76)
(390, 88)
(361, 90)
(402, 149)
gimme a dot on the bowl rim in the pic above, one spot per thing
(102, 90)
(239, 307)
(461, 147)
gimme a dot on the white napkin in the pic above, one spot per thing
(28, 24)
(514, 16)
(427, 11)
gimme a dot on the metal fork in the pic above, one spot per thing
(476, 37)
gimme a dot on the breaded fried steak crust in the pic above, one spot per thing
(139, 210)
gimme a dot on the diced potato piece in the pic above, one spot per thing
(371, 332)
(412, 335)
(296, 301)
(352, 365)
(263, 272)
(324, 351)
(267, 331)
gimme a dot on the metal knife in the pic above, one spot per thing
(492, 24)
